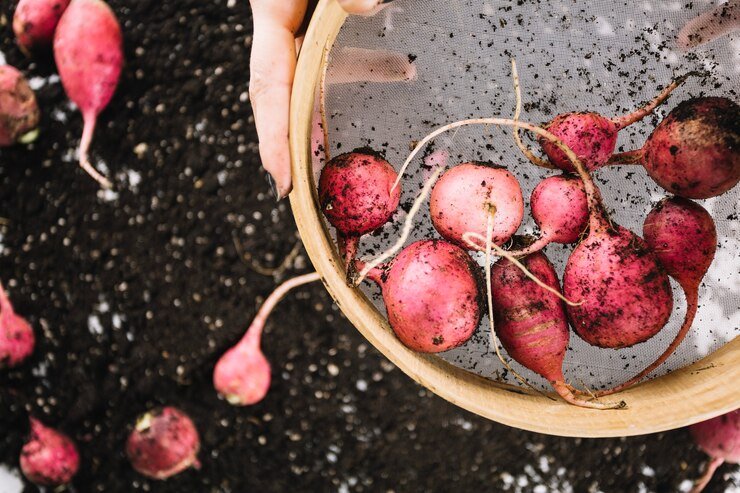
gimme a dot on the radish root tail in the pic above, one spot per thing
(87, 136)
(538, 161)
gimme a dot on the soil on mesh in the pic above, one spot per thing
(134, 296)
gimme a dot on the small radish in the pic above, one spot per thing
(164, 443)
(49, 457)
(356, 196)
(19, 112)
(560, 209)
(242, 374)
(467, 194)
(594, 137)
(683, 236)
(34, 23)
(532, 324)
(693, 152)
(88, 49)
(16, 335)
(720, 439)
(431, 293)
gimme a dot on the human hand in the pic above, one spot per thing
(272, 67)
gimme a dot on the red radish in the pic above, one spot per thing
(593, 137)
(88, 49)
(356, 196)
(560, 209)
(693, 153)
(49, 457)
(720, 439)
(467, 194)
(164, 443)
(431, 295)
(35, 21)
(532, 324)
(683, 236)
(242, 375)
(620, 294)
(19, 112)
(16, 335)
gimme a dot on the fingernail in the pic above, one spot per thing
(273, 188)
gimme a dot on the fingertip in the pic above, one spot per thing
(363, 7)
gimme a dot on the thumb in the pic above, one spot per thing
(363, 7)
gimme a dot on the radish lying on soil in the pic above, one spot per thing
(242, 374)
(695, 151)
(19, 112)
(34, 23)
(531, 322)
(682, 235)
(467, 194)
(560, 209)
(89, 65)
(356, 196)
(591, 136)
(720, 439)
(431, 293)
(620, 294)
(49, 457)
(163, 443)
(16, 335)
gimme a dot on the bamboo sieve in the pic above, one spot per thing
(694, 393)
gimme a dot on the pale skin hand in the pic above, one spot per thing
(272, 67)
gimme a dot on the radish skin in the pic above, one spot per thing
(431, 293)
(693, 152)
(464, 197)
(19, 111)
(17, 339)
(532, 323)
(49, 457)
(89, 65)
(34, 23)
(720, 439)
(242, 374)
(163, 443)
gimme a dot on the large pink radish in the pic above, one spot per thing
(357, 196)
(720, 439)
(466, 195)
(532, 324)
(695, 151)
(19, 111)
(34, 23)
(88, 49)
(432, 296)
(593, 137)
(683, 236)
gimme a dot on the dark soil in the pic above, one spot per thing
(158, 268)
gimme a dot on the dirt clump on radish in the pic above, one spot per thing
(34, 23)
(89, 65)
(467, 194)
(720, 439)
(432, 295)
(19, 111)
(163, 443)
(532, 322)
(242, 375)
(49, 457)
(17, 339)
(357, 196)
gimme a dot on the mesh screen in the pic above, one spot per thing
(602, 56)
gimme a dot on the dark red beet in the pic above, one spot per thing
(163, 443)
(16, 335)
(49, 457)
(357, 196)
